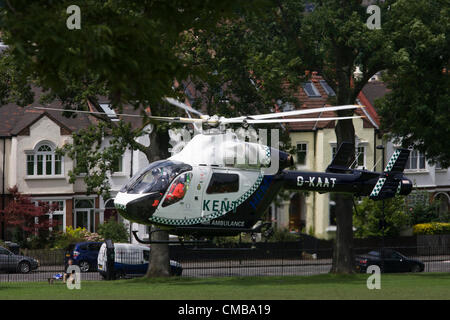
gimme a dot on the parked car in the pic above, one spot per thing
(131, 260)
(11, 262)
(391, 261)
(84, 255)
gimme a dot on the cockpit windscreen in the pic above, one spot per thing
(156, 177)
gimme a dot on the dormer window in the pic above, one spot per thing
(311, 90)
(330, 92)
(109, 112)
(43, 161)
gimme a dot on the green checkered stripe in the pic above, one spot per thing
(376, 190)
(217, 214)
(268, 154)
(267, 151)
(392, 160)
(399, 187)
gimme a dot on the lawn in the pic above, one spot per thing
(328, 286)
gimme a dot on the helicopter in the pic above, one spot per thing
(200, 192)
(203, 191)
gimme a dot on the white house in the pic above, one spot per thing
(28, 139)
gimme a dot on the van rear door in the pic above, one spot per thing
(101, 258)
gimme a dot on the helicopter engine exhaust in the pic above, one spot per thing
(285, 160)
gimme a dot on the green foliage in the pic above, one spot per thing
(244, 62)
(431, 228)
(226, 242)
(128, 47)
(282, 235)
(427, 212)
(41, 241)
(416, 110)
(422, 210)
(113, 230)
(14, 87)
(367, 219)
(72, 236)
(95, 161)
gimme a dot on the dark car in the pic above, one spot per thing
(389, 262)
(84, 255)
(11, 262)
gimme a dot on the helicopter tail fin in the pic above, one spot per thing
(398, 161)
(391, 181)
(343, 159)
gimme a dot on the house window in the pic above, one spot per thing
(30, 164)
(332, 210)
(417, 198)
(439, 166)
(84, 214)
(416, 161)
(117, 165)
(55, 216)
(311, 90)
(109, 112)
(330, 92)
(302, 149)
(43, 161)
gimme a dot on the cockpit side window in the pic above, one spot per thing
(178, 189)
(223, 183)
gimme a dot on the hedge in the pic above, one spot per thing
(432, 228)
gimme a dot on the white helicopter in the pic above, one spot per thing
(205, 190)
(219, 185)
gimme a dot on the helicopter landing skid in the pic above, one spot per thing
(180, 241)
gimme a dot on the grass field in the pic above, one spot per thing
(401, 286)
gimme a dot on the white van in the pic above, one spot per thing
(130, 260)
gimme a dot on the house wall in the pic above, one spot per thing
(42, 130)
(5, 154)
(319, 156)
(429, 179)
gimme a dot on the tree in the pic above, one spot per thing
(281, 44)
(337, 35)
(113, 230)
(27, 218)
(416, 110)
(128, 47)
(368, 214)
(13, 86)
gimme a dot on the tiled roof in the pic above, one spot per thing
(318, 102)
(14, 119)
(374, 90)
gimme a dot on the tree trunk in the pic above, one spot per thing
(159, 265)
(343, 245)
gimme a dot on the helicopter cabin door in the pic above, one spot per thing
(226, 189)
(181, 204)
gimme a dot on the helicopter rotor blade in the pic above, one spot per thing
(300, 120)
(157, 118)
(290, 113)
(91, 112)
(182, 105)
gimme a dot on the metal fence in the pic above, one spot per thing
(262, 259)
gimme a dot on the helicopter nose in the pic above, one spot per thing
(137, 207)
